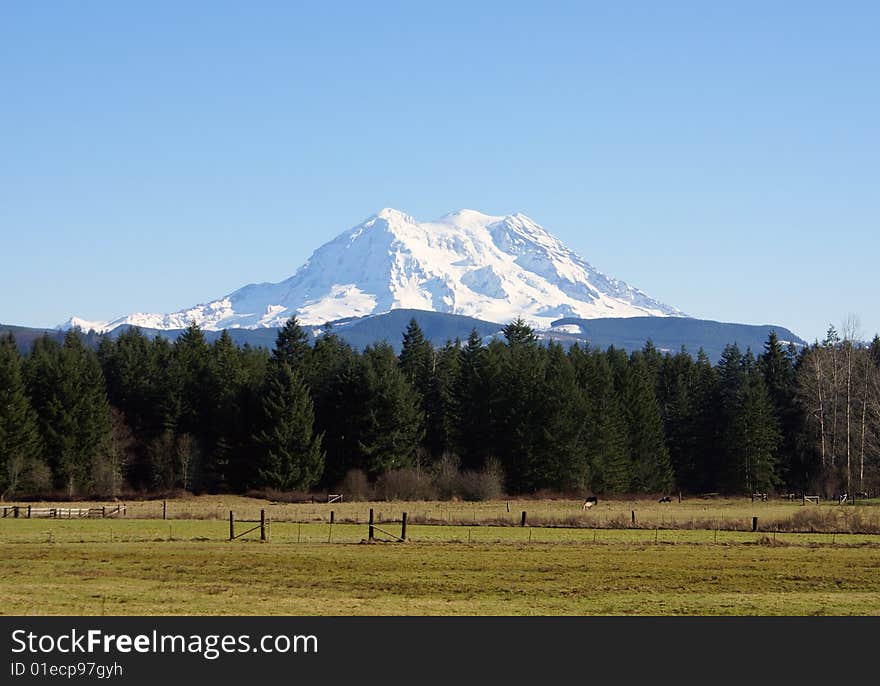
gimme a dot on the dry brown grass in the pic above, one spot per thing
(723, 514)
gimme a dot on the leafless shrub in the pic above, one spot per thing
(452, 484)
(446, 475)
(106, 478)
(355, 486)
(404, 484)
(810, 519)
(486, 484)
(26, 477)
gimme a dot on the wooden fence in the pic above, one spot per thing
(31, 512)
(261, 524)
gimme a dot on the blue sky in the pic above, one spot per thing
(724, 159)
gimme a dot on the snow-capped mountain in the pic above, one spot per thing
(489, 267)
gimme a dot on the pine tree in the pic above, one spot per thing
(749, 427)
(341, 406)
(68, 391)
(125, 362)
(329, 355)
(653, 360)
(417, 358)
(516, 409)
(394, 425)
(475, 394)
(290, 451)
(778, 372)
(244, 460)
(135, 382)
(223, 430)
(621, 370)
(679, 386)
(292, 346)
(519, 333)
(561, 431)
(608, 447)
(440, 403)
(777, 368)
(759, 431)
(874, 350)
(19, 435)
(376, 422)
(418, 364)
(650, 458)
(335, 395)
(42, 372)
(189, 367)
(90, 410)
(705, 421)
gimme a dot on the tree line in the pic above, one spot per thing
(145, 414)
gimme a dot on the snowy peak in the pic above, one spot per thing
(494, 268)
(83, 325)
(389, 214)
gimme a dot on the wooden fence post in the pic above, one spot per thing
(403, 527)
(331, 516)
(370, 534)
(15, 512)
(633, 514)
(231, 526)
(262, 525)
(523, 520)
(754, 523)
(164, 509)
(29, 512)
(104, 511)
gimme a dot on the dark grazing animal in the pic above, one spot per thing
(665, 499)
(589, 502)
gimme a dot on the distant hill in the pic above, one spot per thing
(666, 333)
(671, 334)
(25, 336)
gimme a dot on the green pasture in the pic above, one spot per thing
(121, 531)
(144, 566)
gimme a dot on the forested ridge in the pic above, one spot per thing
(142, 414)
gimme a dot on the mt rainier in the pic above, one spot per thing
(489, 267)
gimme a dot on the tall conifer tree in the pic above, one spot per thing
(290, 451)
(609, 441)
(292, 346)
(19, 435)
(474, 395)
(650, 457)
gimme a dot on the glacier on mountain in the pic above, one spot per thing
(494, 268)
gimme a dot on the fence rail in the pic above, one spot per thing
(31, 512)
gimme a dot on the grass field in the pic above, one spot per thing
(692, 513)
(438, 578)
(138, 565)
